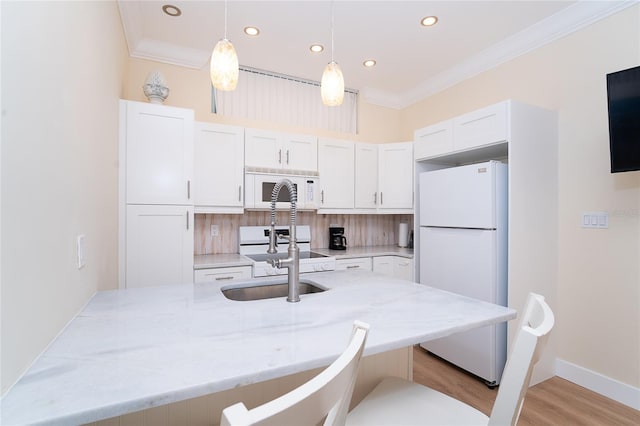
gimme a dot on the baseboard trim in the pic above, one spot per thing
(596, 382)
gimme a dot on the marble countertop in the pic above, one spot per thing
(129, 350)
(205, 261)
(367, 251)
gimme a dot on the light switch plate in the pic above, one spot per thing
(595, 220)
(80, 246)
(215, 231)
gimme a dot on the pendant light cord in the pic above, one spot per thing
(225, 19)
(332, 59)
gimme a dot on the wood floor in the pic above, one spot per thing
(552, 402)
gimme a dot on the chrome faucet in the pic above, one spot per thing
(292, 262)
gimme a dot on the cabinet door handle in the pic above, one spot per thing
(279, 156)
(239, 192)
(223, 278)
(322, 196)
(353, 266)
(188, 190)
(187, 219)
(381, 202)
(287, 157)
(375, 198)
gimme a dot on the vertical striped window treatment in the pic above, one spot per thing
(262, 95)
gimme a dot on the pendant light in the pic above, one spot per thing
(332, 83)
(224, 62)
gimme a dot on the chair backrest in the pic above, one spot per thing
(326, 395)
(535, 324)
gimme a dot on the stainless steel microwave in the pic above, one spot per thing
(259, 186)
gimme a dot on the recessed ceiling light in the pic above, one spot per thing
(428, 21)
(316, 48)
(171, 10)
(251, 31)
(369, 63)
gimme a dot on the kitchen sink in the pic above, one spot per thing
(245, 292)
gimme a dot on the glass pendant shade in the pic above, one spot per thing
(332, 85)
(224, 66)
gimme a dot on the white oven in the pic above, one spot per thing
(259, 186)
(254, 242)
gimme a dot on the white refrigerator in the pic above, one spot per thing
(463, 249)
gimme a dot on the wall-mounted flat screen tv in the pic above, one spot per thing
(623, 95)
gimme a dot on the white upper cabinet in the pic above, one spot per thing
(159, 153)
(300, 152)
(366, 176)
(433, 140)
(485, 126)
(219, 168)
(335, 167)
(384, 177)
(280, 151)
(395, 176)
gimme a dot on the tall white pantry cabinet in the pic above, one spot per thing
(156, 194)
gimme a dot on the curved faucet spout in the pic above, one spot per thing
(292, 262)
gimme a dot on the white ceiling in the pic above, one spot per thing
(412, 61)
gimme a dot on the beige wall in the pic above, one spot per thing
(62, 67)
(192, 89)
(597, 303)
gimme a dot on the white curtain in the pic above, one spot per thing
(261, 95)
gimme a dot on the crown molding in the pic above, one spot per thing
(170, 54)
(144, 48)
(573, 18)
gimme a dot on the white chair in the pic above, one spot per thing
(326, 396)
(398, 402)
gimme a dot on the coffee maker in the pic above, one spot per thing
(337, 240)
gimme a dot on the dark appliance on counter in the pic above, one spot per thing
(337, 240)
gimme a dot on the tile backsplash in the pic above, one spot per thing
(360, 229)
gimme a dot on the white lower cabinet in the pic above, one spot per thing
(383, 265)
(403, 268)
(359, 263)
(232, 273)
(159, 245)
(394, 266)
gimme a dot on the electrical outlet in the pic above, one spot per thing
(80, 248)
(215, 231)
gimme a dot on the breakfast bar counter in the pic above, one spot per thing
(135, 349)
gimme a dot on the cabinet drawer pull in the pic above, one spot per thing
(353, 266)
(187, 219)
(287, 157)
(188, 190)
(279, 156)
(239, 192)
(223, 278)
